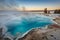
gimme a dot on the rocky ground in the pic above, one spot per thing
(57, 20)
(42, 34)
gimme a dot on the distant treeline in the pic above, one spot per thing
(57, 11)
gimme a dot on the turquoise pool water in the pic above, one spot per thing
(22, 24)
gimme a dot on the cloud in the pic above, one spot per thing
(16, 4)
(8, 4)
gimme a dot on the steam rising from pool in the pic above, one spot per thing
(21, 24)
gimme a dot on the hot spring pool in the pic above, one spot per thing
(23, 23)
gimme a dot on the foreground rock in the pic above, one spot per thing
(42, 34)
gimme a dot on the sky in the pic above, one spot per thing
(29, 4)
